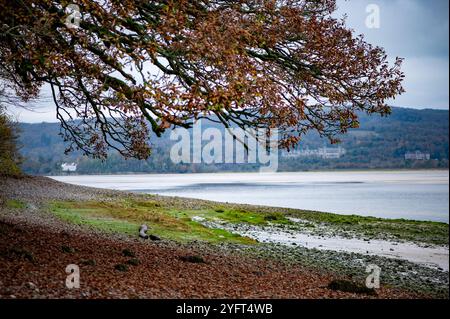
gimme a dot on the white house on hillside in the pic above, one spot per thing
(69, 167)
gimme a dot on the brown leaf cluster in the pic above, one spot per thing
(249, 63)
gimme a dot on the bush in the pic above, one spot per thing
(10, 158)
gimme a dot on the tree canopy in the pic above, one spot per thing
(10, 159)
(131, 65)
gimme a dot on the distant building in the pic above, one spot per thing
(69, 167)
(331, 152)
(417, 156)
(323, 152)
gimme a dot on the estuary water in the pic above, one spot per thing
(418, 195)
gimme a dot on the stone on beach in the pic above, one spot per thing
(143, 231)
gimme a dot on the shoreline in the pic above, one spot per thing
(343, 170)
(33, 196)
(303, 191)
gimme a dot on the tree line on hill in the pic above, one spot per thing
(379, 143)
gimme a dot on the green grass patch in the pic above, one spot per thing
(83, 218)
(170, 220)
(125, 216)
(234, 216)
(373, 227)
(15, 204)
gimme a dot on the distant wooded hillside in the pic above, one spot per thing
(378, 143)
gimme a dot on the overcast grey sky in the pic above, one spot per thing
(416, 30)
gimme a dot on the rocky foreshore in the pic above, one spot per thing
(36, 247)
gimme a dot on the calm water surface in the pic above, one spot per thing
(420, 195)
